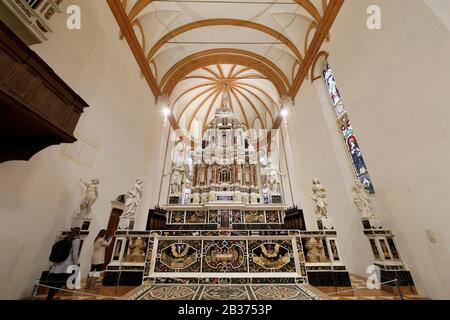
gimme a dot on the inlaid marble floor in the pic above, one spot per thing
(225, 292)
(235, 292)
(360, 291)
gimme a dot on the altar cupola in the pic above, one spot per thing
(224, 116)
(225, 108)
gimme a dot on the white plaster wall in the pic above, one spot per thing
(291, 179)
(319, 153)
(395, 84)
(156, 148)
(38, 198)
(441, 9)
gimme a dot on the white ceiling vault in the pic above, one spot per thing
(193, 48)
(253, 98)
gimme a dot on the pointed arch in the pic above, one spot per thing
(206, 58)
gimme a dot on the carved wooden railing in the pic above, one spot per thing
(34, 15)
(37, 108)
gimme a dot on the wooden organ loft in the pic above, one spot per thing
(37, 108)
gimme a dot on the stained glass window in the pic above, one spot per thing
(346, 129)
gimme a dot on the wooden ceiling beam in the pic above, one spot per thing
(216, 93)
(321, 34)
(186, 107)
(129, 34)
(261, 101)
(241, 107)
(125, 20)
(192, 89)
(224, 56)
(258, 115)
(224, 22)
(137, 8)
(205, 119)
(310, 8)
(319, 37)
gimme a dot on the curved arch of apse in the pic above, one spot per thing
(224, 56)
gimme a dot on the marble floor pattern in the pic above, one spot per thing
(360, 291)
(225, 292)
(234, 292)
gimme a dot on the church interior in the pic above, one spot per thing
(224, 149)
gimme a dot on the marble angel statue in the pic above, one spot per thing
(90, 196)
(362, 200)
(274, 181)
(319, 195)
(132, 199)
(177, 179)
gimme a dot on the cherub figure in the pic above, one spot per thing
(319, 195)
(90, 196)
(362, 200)
(132, 199)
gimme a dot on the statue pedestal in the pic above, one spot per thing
(175, 199)
(255, 198)
(277, 198)
(325, 223)
(372, 223)
(126, 224)
(82, 223)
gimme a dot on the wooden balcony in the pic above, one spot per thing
(29, 18)
(37, 108)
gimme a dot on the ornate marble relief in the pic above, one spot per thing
(272, 217)
(271, 256)
(196, 217)
(254, 216)
(315, 250)
(225, 256)
(177, 256)
(135, 250)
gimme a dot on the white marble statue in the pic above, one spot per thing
(319, 195)
(90, 196)
(362, 200)
(132, 199)
(204, 198)
(245, 198)
(254, 198)
(274, 182)
(176, 179)
(225, 100)
(196, 198)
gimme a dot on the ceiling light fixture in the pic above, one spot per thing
(166, 111)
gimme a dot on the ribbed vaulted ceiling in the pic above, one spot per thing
(253, 97)
(259, 48)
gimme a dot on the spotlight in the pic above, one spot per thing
(166, 111)
(284, 113)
